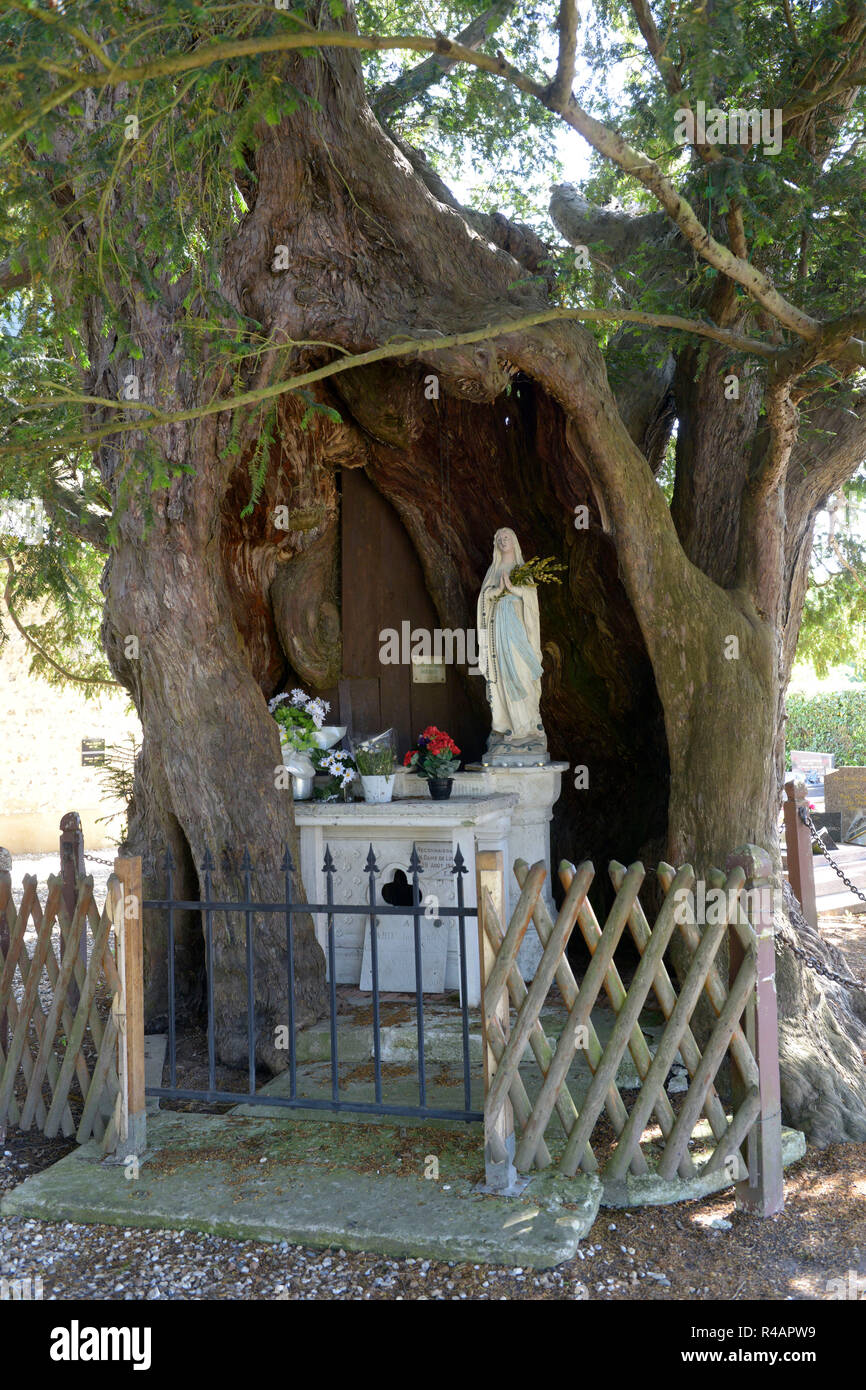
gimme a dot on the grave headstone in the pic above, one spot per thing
(831, 821)
(856, 834)
(845, 792)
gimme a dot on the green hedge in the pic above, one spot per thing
(834, 722)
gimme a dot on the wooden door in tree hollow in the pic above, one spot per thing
(382, 585)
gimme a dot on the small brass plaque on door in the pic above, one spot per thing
(428, 672)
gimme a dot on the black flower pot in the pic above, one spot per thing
(440, 787)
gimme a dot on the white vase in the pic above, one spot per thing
(378, 789)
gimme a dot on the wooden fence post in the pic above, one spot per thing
(763, 1192)
(132, 1125)
(798, 843)
(5, 868)
(499, 1143)
(71, 869)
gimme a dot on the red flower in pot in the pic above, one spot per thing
(436, 759)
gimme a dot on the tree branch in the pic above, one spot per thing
(671, 78)
(666, 67)
(61, 670)
(846, 39)
(519, 240)
(784, 420)
(831, 447)
(830, 345)
(409, 85)
(420, 346)
(789, 20)
(14, 279)
(582, 222)
(835, 547)
(567, 26)
(845, 82)
(72, 514)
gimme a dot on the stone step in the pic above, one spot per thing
(443, 1040)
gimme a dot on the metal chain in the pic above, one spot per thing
(95, 859)
(810, 960)
(813, 831)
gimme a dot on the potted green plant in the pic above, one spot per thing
(436, 759)
(376, 762)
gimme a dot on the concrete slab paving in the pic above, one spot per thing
(443, 1039)
(251, 1178)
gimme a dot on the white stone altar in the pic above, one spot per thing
(491, 808)
(437, 828)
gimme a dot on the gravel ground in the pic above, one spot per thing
(42, 865)
(694, 1251)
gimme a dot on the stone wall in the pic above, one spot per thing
(41, 777)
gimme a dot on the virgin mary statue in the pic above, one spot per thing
(509, 641)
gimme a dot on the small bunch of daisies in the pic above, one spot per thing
(340, 765)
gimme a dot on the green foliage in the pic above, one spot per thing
(297, 727)
(163, 203)
(108, 225)
(258, 464)
(116, 776)
(834, 722)
(833, 630)
(803, 217)
(374, 762)
(497, 146)
(54, 593)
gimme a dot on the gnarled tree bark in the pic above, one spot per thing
(665, 651)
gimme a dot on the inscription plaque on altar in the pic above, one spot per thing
(437, 859)
(395, 940)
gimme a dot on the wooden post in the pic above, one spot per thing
(131, 1127)
(6, 870)
(500, 1173)
(763, 1192)
(72, 869)
(798, 842)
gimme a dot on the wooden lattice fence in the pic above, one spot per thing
(67, 990)
(553, 1128)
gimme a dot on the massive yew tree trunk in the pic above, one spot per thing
(666, 651)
